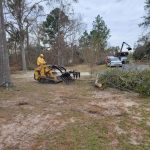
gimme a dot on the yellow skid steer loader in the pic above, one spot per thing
(55, 74)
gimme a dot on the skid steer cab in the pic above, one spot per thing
(54, 74)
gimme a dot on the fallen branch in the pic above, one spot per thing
(125, 80)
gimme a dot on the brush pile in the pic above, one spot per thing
(137, 81)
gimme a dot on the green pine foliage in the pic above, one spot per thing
(137, 81)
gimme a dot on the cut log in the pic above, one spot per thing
(98, 85)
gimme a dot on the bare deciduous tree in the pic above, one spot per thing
(20, 16)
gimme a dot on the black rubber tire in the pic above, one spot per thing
(123, 62)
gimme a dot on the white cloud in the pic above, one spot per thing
(121, 16)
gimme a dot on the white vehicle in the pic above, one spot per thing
(113, 62)
(124, 60)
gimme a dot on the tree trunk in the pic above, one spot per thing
(23, 55)
(22, 48)
(4, 60)
(58, 50)
(27, 34)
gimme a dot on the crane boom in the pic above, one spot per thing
(124, 43)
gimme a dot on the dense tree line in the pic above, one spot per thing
(30, 31)
(93, 45)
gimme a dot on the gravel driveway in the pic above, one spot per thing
(134, 67)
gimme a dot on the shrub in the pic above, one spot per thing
(138, 81)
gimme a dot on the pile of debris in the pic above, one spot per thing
(137, 81)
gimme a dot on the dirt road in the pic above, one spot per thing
(134, 67)
(78, 116)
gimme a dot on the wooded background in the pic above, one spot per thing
(26, 30)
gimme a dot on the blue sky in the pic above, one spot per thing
(121, 16)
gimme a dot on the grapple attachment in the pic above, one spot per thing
(66, 76)
(76, 75)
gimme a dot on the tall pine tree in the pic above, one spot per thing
(146, 22)
(4, 60)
